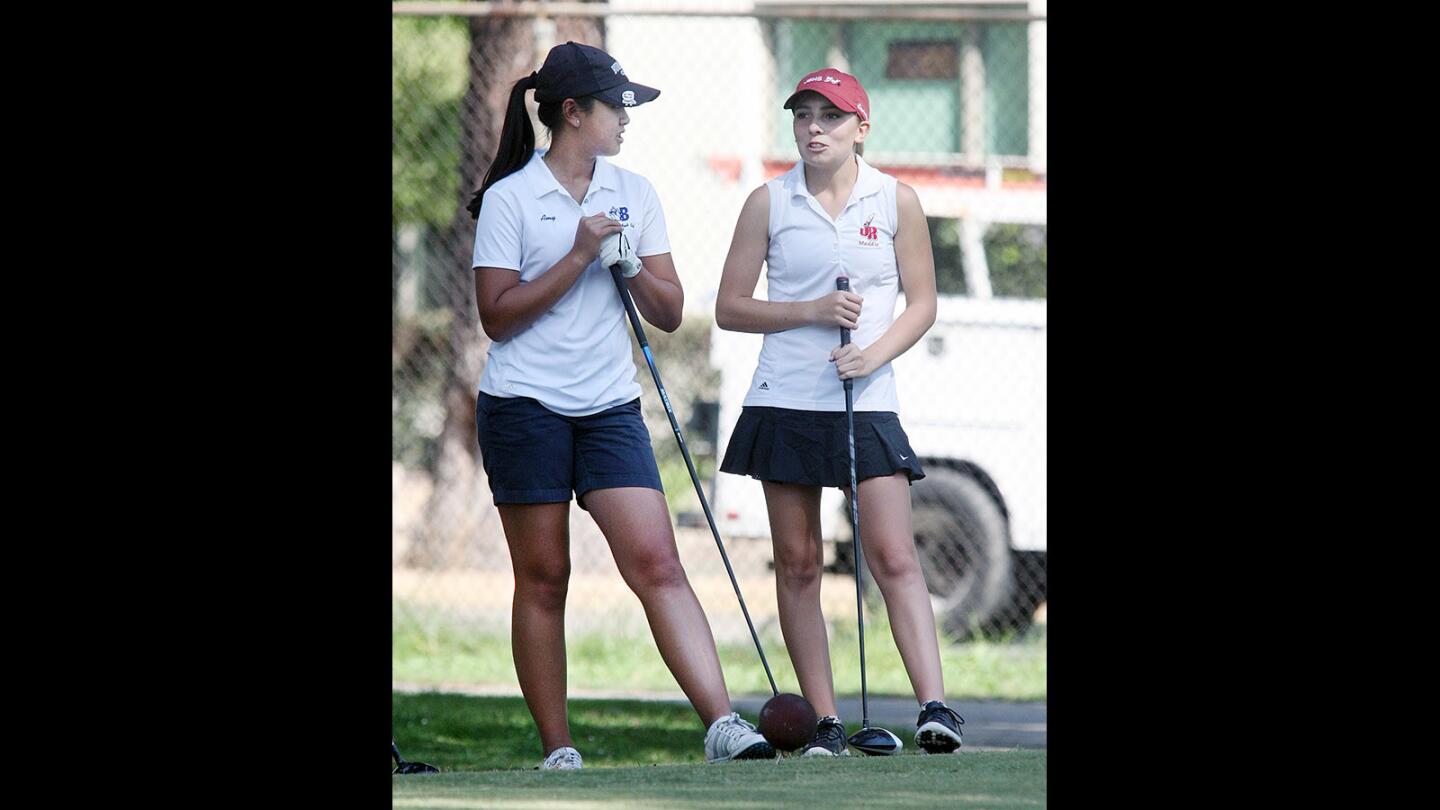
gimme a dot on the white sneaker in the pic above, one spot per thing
(563, 758)
(731, 737)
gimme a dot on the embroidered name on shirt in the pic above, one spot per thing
(546, 218)
(869, 234)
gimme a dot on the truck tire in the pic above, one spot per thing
(963, 542)
(965, 555)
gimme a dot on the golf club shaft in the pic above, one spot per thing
(395, 752)
(842, 283)
(685, 451)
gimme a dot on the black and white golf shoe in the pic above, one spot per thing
(938, 729)
(829, 739)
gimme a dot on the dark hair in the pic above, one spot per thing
(517, 136)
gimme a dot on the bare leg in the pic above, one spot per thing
(795, 532)
(889, 545)
(539, 539)
(636, 523)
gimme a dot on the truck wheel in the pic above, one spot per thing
(960, 534)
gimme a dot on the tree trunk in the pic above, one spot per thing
(460, 528)
(454, 532)
(585, 30)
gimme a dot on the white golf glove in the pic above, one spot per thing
(615, 249)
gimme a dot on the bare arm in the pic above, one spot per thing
(657, 291)
(917, 276)
(737, 309)
(508, 307)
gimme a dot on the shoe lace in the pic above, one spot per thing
(828, 731)
(734, 727)
(565, 756)
(935, 708)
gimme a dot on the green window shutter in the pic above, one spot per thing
(1006, 51)
(911, 115)
(914, 115)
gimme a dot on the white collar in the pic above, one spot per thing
(868, 180)
(543, 181)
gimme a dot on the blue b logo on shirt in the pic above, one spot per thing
(621, 213)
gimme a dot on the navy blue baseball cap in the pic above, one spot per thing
(574, 70)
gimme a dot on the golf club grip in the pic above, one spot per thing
(624, 290)
(843, 284)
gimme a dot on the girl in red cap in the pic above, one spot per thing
(834, 215)
(558, 409)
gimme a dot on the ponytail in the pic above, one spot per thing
(517, 142)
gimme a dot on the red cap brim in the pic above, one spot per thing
(829, 93)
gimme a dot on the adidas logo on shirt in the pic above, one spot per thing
(764, 386)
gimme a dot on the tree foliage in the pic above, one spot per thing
(428, 74)
(1016, 255)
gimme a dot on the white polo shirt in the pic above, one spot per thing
(575, 358)
(808, 250)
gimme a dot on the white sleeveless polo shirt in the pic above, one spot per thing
(808, 251)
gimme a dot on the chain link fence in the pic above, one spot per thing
(958, 98)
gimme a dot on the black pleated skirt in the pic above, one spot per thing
(811, 447)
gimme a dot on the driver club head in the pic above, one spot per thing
(876, 742)
(415, 767)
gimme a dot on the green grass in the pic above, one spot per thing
(432, 649)
(650, 754)
(465, 733)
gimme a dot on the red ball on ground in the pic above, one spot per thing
(788, 721)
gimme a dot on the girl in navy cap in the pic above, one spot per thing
(834, 215)
(558, 408)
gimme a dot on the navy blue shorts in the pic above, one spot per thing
(533, 455)
(813, 447)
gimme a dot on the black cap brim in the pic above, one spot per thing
(639, 94)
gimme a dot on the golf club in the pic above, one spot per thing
(685, 451)
(403, 767)
(872, 741)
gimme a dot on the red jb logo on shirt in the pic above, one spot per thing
(869, 234)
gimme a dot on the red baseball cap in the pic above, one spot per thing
(843, 90)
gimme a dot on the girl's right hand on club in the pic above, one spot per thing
(840, 308)
(591, 231)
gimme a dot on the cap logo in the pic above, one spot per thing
(617, 69)
(628, 98)
(830, 79)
